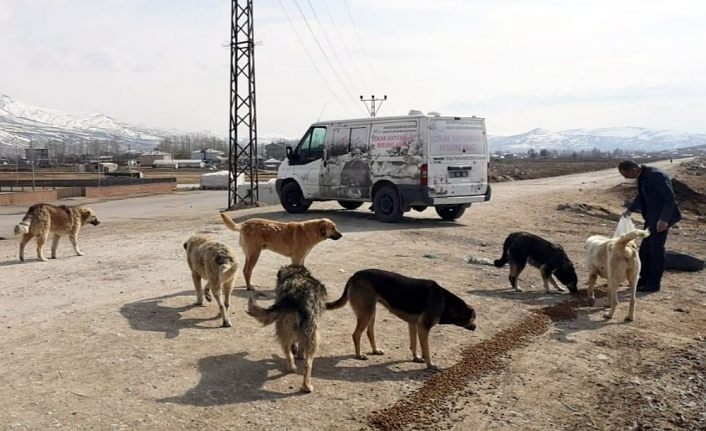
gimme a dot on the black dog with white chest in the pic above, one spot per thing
(521, 248)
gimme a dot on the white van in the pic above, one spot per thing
(397, 163)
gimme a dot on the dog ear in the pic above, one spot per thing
(322, 227)
(85, 213)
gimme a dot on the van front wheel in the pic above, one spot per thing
(292, 199)
(450, 212)
(387, 205)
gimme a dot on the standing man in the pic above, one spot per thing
(658, 205)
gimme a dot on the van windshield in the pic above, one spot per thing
(450, 136)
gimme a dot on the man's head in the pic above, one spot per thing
(629, 169)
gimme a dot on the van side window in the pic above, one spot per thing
(341, 142)
(311, 147)
(359, 140)
(316, 147)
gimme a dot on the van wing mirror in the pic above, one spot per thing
(288, 152)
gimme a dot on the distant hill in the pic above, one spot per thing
(605, 139)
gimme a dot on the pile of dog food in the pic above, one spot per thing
(422, 408)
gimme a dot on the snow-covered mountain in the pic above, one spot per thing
(605, 139)
(22, 124)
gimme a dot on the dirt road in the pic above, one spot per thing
(111, 340)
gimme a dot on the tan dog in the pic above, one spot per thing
(215, 262)
(294, 240)
(615, 259)
(43, 219)
(300, 301)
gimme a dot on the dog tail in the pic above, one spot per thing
(340, 302)
(504, 258)
(23, 226)
(226, 272)
(230, 224)
(627, 237)
(274, 312)
(263, 315)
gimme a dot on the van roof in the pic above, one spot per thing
(392, 118)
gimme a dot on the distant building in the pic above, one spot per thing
(148, 159)
(272, 164)
(276, 150)
(32, 154)
(178, 164)
(95, 166)
(208, 155)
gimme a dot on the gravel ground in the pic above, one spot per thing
(111, 340)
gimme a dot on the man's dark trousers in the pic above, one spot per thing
(652, 256)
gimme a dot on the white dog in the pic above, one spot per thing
(615, 259)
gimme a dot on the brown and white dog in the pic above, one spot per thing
(294, 240)
(615, 259)
(43, 219)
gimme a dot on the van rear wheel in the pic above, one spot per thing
(387, 206)
(350, 205)
(292, 199)
(450, 212)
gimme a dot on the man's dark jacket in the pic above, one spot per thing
(655, 198)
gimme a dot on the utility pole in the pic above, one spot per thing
(372, 100)
(242, 159)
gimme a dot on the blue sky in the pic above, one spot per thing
(520, 64)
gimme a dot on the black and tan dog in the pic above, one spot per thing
(521, 248)
(419, 302)
(43, 219)
(294, 240)
(299, 303)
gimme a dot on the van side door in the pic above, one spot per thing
(346, 172)
(306, 159)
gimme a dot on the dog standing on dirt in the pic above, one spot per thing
(215, 262)
(43, 219)
(294, 240)
(421, 303)
(300, 300)
(615, 259)
(521, 248)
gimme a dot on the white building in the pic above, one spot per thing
(208, 155)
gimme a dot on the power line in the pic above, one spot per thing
(345, 46)
(313, 63)
(321, 48)
(360, 40)
(330, 44)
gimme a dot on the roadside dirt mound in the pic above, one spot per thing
(689, 199)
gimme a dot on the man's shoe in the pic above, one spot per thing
(646, 288)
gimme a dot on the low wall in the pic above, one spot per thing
(266, 192)
(97, 192)
(24, 198)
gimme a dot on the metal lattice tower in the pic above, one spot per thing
(242, 159)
